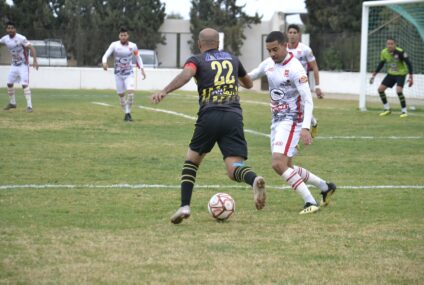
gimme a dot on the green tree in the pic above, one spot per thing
(224, 16)
(33, 23)
(331, 16)
(89, 26)
(4, 12)
(176, 16)
(335, 27)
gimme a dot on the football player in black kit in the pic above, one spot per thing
(220, 118)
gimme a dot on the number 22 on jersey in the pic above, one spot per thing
(225, 66)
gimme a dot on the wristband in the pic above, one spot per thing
(317, 87)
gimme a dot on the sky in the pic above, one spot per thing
(263, 7)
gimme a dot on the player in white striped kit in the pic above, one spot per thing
(124, 51)
(17, 45)
(291, 107)
(306, 57)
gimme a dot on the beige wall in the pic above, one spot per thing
(97, 78)
(5, 57)
(252, 51)
(167, 53)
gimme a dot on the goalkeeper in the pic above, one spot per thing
(398, 66)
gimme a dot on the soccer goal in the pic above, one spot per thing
(402, 20)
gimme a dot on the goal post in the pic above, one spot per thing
(402, 20)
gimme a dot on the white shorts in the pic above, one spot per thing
(285, 136)
(18, 74)
(124, 83)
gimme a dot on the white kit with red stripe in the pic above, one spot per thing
(303, 53)
(291, 101)
(123, 54)
(17, 48)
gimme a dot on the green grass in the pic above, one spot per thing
(123, 236)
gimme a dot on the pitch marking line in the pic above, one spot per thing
(267, 103)
(213, 186)
(194, 119)
(267, 135)
(369, 138)
(102, 104)
(253, 132)
(168, 112)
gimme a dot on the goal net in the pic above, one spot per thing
(402, 20)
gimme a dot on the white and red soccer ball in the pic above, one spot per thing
(221, 206)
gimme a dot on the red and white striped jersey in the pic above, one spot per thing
(123, 57)
(291, 97)
(303, 53)
(17, 48)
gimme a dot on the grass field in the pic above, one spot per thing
(86, 198)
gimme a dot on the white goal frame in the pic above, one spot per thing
(364, 44)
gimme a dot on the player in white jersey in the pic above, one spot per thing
(124, 51)
(291, 107)
(17, 45)
(306, 57)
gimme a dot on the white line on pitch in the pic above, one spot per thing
(213, 186)
(253, 132)
(256, 133)
(369, 138)
(168, 112)
(101, 104)
(267, 135)
(194, 118)
(255, 102)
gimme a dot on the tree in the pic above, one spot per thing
(334, 15)
(335, 27)
(4, 11)
(176, 16)
(33, 23)
(224, 16)
(89, 26)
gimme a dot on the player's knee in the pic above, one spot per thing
(276, 165)
(230, 174)
(27, 91)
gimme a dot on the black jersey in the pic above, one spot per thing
(217, 75)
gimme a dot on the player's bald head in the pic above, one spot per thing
(209, 34)
(208, 38)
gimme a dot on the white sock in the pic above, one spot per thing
(404, 110)
(123, 103)
(11, 93)
(386, 106)
(27, 93)
(130, 101)
(311, 178)
(296, 182)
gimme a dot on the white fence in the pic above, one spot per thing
(92, 78)
(97, 78)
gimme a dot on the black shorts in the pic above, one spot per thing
(223, 127)
(391, 80)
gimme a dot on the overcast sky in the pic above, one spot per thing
(263, 7)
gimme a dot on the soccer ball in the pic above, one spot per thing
(221, 206)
